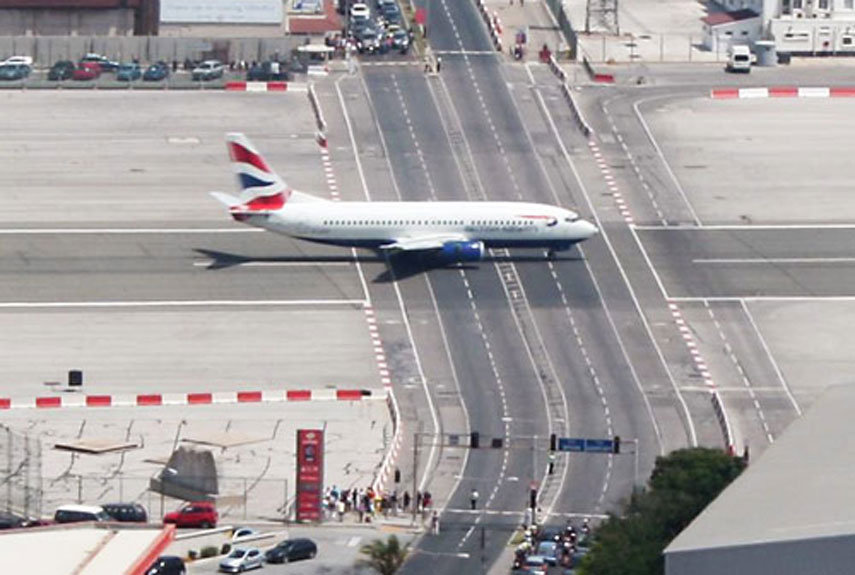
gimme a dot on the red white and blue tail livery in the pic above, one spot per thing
(456, 231)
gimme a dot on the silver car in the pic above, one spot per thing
(208, 70)
(240, 560)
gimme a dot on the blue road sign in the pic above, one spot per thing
(571, 444)
(599, 445)
(581, 445)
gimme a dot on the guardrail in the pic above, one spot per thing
(321, 135)
(391, 457)
(493, 24)
(723, 421)
(568, 95)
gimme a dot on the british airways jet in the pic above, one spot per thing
(454, 231)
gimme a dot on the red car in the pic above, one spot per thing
(195, 514)
(86, 71)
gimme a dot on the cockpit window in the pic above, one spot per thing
(571, 219)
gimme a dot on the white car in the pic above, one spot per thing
(240, 560)
(208, 70)
(242, 532)
(16, 60)
(359, 11)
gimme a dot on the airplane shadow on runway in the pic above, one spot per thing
(398, 266)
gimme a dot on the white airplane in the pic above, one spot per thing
(455, 231)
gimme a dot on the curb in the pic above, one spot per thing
(256, 86)
(195, 398)
(782, 92)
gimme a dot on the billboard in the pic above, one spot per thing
(310, 474)
(221, 11)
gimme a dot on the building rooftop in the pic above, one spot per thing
(800, 488)
(83, 548)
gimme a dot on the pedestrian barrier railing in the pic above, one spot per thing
(723, 421)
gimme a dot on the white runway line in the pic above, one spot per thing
(774, 260)
(209, 263)
(176, 303)
(116, 231)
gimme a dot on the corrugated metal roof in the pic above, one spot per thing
(800, 488)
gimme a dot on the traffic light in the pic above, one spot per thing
(498, 442)
(553, 440)
(616, 444)
(397, 475)
(474, 439)
(532, 498)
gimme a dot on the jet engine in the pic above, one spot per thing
(462, 251)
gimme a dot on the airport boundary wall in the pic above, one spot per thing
(45, 50)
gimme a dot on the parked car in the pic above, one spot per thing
(291, 550)
(126, 512)
(86, 71)
(240, 560)
(242, 532)
(25, 60)
(195, 514)
(12, 521)
(208, 70)
(61, 70)
(129, 72)
(156, 72)
(14, 71)
(167, 565)
(267, 71)
(105, 63)
(78, 513)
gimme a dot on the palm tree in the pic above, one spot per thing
(385, 557)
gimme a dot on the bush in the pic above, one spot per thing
(192, 554)
(208, 551)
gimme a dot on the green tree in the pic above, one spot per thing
(682, 484)
(385, 557)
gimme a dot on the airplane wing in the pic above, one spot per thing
(423, 243)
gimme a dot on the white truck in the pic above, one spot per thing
(739, 59)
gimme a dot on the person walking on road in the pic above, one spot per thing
(473, 498)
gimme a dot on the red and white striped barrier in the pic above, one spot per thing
(783, 92)
(257, 86)
(194, 398)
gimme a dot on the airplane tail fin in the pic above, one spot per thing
(261, 189)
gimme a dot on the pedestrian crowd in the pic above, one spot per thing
(366, 504)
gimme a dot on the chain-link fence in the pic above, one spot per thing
(239, 498)
(21, 461)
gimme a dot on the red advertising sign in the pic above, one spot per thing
(310, 474)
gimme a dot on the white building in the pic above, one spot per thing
(800, 27)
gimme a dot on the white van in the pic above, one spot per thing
(739, 59)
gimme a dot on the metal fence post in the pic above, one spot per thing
(244, 498)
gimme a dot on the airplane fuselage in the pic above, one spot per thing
(375, 224)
